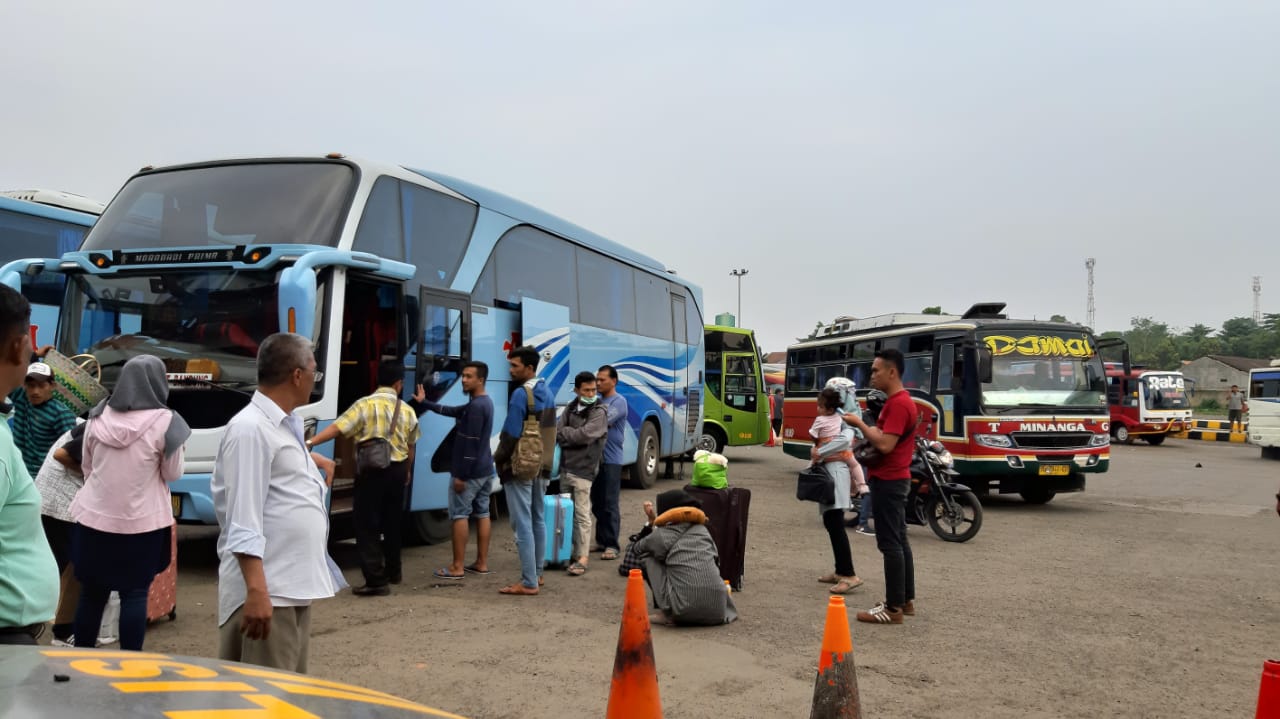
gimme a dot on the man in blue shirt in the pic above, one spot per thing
(608, 483)
(471, 467)
(525, 497)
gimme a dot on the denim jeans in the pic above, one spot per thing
(864, 511)
(133, 616)
(526, 504)
(604, 505)
(889, 510)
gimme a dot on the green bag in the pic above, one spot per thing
(709, 475)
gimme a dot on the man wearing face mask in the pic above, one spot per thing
(581, 435)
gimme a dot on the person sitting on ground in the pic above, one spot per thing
(681, 565)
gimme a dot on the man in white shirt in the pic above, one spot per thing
(268, 495)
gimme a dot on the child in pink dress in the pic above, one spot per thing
(826, 427)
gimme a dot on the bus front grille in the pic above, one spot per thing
(1051, 440)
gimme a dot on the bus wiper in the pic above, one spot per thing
(228, 386)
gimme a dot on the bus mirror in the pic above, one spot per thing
(984, 364)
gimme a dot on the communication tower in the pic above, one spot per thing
(1257, 300)
(1089, 308)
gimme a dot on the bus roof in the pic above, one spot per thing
(948, 322)
(489, 199)
(35, 209)
(57, 198)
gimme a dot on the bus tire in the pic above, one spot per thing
(712, 439)
(1122, 434)
(644, 473)
(432, 526)
(1154, 439)
(1271, 452)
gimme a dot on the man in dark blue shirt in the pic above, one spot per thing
(471, 467)
(608, 483)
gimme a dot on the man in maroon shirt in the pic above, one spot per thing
(890, 481)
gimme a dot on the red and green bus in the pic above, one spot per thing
(1021, 404)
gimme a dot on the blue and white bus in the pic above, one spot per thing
(29, 225)
(198, 263)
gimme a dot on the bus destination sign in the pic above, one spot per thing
(181, 257)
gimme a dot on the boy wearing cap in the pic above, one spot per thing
(38, 421)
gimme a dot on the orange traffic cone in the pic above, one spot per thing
(773, 439)
(1269, 692)
(835, 691)
(634, 691)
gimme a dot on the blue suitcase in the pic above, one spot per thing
(558, 514)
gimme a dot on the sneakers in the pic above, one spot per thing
(881, 614)
(71, 641)
(865, 530)
(909, 609)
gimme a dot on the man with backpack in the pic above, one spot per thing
(523, 457)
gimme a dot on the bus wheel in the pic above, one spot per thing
(1154, 439)
(430, 527)
(712, 440)
(1122, 434)
(1037, 495)
(644, 473)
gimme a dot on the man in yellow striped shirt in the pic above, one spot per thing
(379, 495)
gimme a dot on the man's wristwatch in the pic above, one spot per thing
(308, 443)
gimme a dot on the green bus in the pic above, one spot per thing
(735, 407)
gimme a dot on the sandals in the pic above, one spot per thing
(609, 553)
(846, 585)
(577, 569)
(443, 573)
(829, 578)
(518, 589)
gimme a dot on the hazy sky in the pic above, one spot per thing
(857, 158)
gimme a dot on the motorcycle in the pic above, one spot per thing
(950, 509)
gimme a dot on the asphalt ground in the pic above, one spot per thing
(1154, 593)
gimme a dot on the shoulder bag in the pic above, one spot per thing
(815, 484)
(375, 452)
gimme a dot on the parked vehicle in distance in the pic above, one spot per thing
(1146, 404)
(1263, 397)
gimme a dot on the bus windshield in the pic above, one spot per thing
(1165, 391)
(1043, 370)
(253, 203)
(205, 325)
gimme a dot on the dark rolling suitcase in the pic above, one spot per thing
(727, 511)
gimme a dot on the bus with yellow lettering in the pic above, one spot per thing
(1020, 404)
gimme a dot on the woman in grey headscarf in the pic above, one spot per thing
(132, 449)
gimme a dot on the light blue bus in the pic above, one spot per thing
(198, 263)
(29, 227)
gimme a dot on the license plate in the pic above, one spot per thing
(1055, 470)
(177, 504)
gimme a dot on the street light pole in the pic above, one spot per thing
(739, 274)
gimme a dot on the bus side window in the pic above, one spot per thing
(918, 372)
(946, 367)
(800, 379)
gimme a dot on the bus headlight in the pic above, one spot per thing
(1100, 440)
(1001, 441)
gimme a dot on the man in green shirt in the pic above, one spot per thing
(28, 573)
